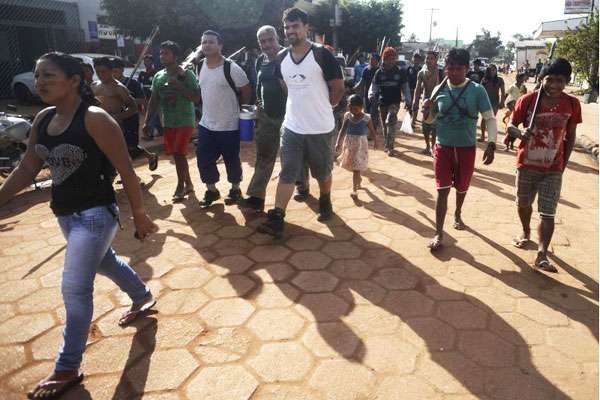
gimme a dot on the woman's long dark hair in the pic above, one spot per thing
(488, 74)
(72, 66)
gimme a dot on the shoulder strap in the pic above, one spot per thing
(259, 62)
(461, 110)
(227, 71)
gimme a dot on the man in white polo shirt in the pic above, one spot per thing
(314, 83)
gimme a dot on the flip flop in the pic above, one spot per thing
(56, 393)
(545, 265)
(520, 242)
(435, 244)
(153, 162)
(131, 316)
(459, 225)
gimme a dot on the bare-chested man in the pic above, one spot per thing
(118, 102)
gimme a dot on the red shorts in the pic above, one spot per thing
(453, 166)
(177, 140)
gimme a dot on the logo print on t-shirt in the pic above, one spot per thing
(63, 160)
(298, 78)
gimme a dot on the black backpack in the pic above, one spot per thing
(317, 50)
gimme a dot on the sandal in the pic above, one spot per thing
(521, 242)
(132, 314)
(459, 225)
(49, 393)
(153, 162)
(435, 243)
(544, 264)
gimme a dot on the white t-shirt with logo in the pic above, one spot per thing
(220, 106)
(308, 110)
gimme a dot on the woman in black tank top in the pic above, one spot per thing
(81, 143)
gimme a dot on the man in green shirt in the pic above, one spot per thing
(175, 91)
(271, 98)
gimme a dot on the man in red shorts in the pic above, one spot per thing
(457, 107)
(175, 90)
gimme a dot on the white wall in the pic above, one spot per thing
(88, 11)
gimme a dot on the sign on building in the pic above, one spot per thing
(578, 6)
(106, 32)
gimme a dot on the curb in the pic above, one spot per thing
(588, 145)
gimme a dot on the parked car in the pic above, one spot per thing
(23, 86)
(348, 71)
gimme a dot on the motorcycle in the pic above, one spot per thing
(14, 134)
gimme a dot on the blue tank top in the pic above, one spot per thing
(360, 128)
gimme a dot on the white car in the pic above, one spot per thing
(23, 84)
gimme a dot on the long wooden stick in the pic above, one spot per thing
(149, 41)
(538, 99)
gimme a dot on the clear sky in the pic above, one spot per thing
(507, 16)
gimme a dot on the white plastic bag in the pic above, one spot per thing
(407, 124)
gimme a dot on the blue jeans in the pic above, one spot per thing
(89, 234)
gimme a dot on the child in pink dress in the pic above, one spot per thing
(352, 138)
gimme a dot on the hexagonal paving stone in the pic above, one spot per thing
(462, 315)
(23, 328)
(330, 339)
(272, 253)
(223, 345)
(111, 354)
(351, 269)
(187, 278)
(468, 276)
(148, 374)
(26, 378)
(237, 264)
(181, 302)
(322, 307)
(539, 312)
(372, 319)
(513, 383)
(12, 358)
(343, 380)
(304, 242)
(430, 332)
(276, 272)
(361, 292)
(226, 312)
(45, 346)
(11, 291)
(487, 349)
(277, 362)
(108, 325)
(315, 281)
(222, 383)
(405, 387)
(452, 373)
(310, 260)
(286, 392)
(390, 354)
(234, 232)
(7, 311)
(230, 247)
(229, 286)
(276, 324)
(408, 303)
(46, 299)
(396, 278)
(581, 346)
(276, 295)
(342, 250)
(177, 331)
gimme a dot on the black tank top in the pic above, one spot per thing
(81, 174)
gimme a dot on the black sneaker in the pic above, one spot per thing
(233, 197)
(325, 208)
(274, 224)
(254, 203)
(210, 196)
(301, 195)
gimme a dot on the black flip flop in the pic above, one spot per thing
(131, 316)
(58, 392)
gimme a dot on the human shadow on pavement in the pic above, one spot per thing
(394, 187)
(374, 290)
(24, 201)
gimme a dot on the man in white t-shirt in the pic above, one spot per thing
(314, 84)
(221, 81)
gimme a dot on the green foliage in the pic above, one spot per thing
(185, 20)
(580, 47)
(363, 23)
(486, 45)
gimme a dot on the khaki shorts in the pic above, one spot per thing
(314, 149)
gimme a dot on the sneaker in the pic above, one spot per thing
(301, 195)
(325, 209)
(233, 197)
(210, 196)
(274, 224)
(254, 203)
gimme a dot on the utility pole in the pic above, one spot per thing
(456, 41)
(431, 20)
(334, 23)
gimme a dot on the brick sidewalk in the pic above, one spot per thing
(354, 309)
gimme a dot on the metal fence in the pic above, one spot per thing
(30, 28)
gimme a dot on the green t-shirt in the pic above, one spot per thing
(177, 111)
(457, 126)
(270, 94)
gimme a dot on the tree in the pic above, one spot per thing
(363, 23)
(508, 52)
(486, 45)
(185, 20)
(580, 47)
